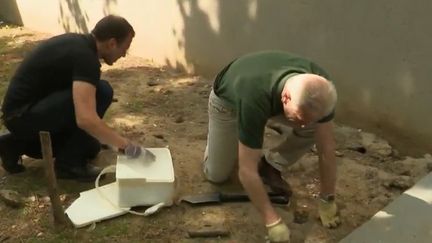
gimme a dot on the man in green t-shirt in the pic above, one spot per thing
(281, 90)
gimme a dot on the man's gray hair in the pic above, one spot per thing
(313, 94)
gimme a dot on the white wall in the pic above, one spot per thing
(378, 52)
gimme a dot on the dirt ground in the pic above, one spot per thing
(160, 108)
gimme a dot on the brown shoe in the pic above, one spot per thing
(273, 178)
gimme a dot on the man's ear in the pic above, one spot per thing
(112, 43)
(285, 96)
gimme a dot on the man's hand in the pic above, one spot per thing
(328, 213)
(278, 231)
(132, 151)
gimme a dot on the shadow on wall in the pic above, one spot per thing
(74, 18)
(9, 12)
(233, 28)
(205, 36)
(366, 48)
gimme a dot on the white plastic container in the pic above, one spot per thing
(144, 183)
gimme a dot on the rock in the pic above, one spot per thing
(396, 154)
(152, 82)
(202, 136)
(11, 198)
(301, 215)
(357, 148)
(64, 197)
(406, 173)
(166, 91)
(31, 199)
(313, 149)
(4, 238)
(381, 200)
(373, 194)
(428, 157)
(160, 136)
(296, 167)
(208, 230)
(400, 183)
(204, 93)
(371, 174)
(158, 89)
(409, 166)
(338, 153)
(179, 119)
(429, 167)
(376, 146)
(45, 199)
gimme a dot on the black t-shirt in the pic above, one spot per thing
(52, 66)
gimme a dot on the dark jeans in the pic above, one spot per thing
(56, 114)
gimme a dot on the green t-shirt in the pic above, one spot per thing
(253, 84)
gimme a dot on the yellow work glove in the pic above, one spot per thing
(278, 231)
(328, 213)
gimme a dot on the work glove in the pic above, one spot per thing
(132, 151)
(328, 213)
(278, 232)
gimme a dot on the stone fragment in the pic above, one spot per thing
(179, 119)
(301, 215)
(11, 198)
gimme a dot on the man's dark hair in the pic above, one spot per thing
(113, 26)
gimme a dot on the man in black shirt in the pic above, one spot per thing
(57, 88)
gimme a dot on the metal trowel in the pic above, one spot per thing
(219, 197)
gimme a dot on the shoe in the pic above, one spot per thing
(10, 154)
(85, 173)
(273, 178)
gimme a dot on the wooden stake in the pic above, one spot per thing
(57, 209)
(208, 230)
(207, 233)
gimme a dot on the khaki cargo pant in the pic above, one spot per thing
(221, 154)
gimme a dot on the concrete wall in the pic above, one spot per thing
(378, 52)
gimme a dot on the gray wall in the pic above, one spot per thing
(378, 52)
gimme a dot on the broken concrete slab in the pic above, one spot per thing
(406, 219)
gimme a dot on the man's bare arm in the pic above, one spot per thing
(252, 183)
(327, 160)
